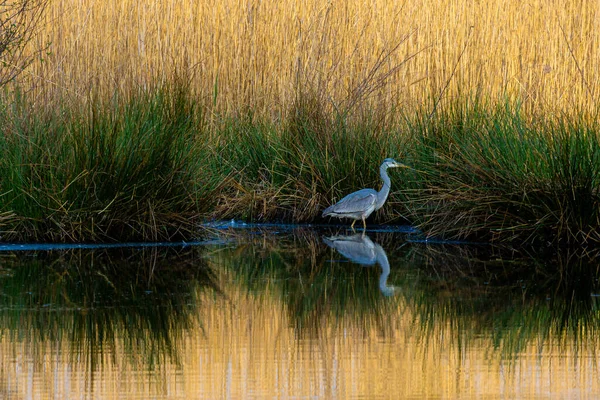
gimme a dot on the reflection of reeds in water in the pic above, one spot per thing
(516, 300)
(513, 297)
(279, 316)
(369, 348)
(96, 301)
(316, 290)
(249, 348)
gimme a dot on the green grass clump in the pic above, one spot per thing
(492, 175)
(119, 171)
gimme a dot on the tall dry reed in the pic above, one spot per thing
(254, 54)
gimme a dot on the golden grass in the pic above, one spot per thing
(251, 54)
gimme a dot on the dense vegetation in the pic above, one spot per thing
(152, 167)
(138, 121)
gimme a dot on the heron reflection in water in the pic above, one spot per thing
(360, 204)
(362, 250)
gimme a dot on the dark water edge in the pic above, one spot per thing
(91, 246)
(148, 298)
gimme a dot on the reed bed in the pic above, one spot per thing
(254, 54)
(141, 120)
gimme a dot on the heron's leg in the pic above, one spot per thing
(352, 226)
(364, 224)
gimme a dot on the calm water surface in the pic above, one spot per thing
(298, 314)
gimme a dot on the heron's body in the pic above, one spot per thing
(357, 205)
(360, 204)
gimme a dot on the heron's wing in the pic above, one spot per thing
(359, 201)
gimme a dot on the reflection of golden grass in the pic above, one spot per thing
(246, 348)
(251, 53)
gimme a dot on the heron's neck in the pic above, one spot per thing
(385, 190)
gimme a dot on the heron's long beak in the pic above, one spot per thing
(409, 167)
(400, 165)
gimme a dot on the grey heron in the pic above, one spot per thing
(360, 204)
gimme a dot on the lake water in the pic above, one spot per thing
(298, 313)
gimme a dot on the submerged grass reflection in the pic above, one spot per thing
(318, 291)
(518, 300)
(509, 295)
(283, 315)
(515, 298)
(97, 301)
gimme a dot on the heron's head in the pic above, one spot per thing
(391, 163)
